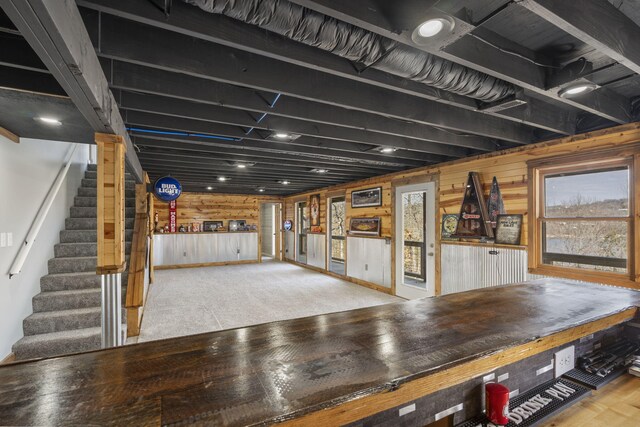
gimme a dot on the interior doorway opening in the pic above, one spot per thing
(270, 231)
(337, 251)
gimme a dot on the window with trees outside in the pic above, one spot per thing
(584, 216)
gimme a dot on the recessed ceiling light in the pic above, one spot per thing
(320, 170)
(209, 188)
(241, 166)
(387, 149)
(261, 190)
(577, 89)
(222, 178)
(281, 135)
(431, 28)
(285, 182)
(50, 121)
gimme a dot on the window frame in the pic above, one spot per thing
(538, 170)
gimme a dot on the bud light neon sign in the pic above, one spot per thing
(167, 189)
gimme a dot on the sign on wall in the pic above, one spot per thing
(167, 188)
(288, 224)
(172, 216)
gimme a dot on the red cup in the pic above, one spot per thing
(497, 403)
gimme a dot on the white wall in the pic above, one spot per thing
(27, 171)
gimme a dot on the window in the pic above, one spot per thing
(584, 218)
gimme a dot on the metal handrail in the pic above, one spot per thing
(21, 257)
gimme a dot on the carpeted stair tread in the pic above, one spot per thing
(69, 281)
(92, 192)
(91, 202)
(72, 264)
(92, 183)
(66, 250)
(91, 212)
(86, 236)
(62, 320)
(58, 343)
(92, 223)
(67, 300)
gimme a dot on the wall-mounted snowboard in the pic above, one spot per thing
(495, 204)
(474, 221)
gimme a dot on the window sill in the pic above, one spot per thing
(605, 278)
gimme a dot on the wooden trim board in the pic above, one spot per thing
(9, 135)
(205, 264)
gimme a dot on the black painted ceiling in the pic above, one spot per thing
(202, 93)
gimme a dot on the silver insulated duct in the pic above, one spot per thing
(360, 46)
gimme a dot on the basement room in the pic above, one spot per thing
(371, 213)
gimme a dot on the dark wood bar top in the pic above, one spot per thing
(291, 371)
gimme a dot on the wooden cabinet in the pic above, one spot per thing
(369, 259)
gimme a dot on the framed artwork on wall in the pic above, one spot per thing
(365, 198)
(364, 226)
(449, 225)
(314, 210)
(508, 229)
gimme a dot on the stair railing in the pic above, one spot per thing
(28, 242)
(139, 263)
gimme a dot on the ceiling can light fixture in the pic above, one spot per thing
(281, 135)
(241, 166)
(50, 121)
(386, 150)
(577, 89)
(222, 178)
(209, 188)
(318, 170)
(261, 190)
(431, 28)
(284, 182)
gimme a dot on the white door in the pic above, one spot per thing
(415, 240)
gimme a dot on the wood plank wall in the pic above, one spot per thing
(509, 167)
(199, 207)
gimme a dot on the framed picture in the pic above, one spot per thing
(314, 209)
(211, 225)
(364, 226)
(368, 197)
(508, 229)
(449, 225)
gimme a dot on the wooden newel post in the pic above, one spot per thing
(111, 234)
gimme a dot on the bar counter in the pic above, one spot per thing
(330, 369)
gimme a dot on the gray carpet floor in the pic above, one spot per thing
(190, 301)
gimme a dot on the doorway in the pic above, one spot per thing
(270, 231)
(415, 240)
(336, 249)
(302, 225)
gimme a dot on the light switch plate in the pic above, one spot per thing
(564, 360)
(9, 239)
(3, 240)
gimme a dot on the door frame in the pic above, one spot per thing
(278, 230)
(404, 185)
(298, 229)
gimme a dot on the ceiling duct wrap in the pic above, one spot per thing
(360, 46)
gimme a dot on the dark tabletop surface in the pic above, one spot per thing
(259, 373)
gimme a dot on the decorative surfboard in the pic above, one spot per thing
(495, 205)
(473, 222)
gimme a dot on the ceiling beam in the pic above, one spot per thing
(133, 77)
(128, 41)
(598, 23)
(255, 150)
(191, 21)
(252, 120)
(180, 124)
(188, 152)
(475, 53)
(56, 32)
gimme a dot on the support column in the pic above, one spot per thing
(111, 234)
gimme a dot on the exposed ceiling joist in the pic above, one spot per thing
(191, 21)
(477, 54)
(597, 23)
(423, 152)
(56, 32)
(132, 42)
(254, 120)
(257, 149)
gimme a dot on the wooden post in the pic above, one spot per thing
(111, 233)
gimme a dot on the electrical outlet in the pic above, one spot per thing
(564, 360)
